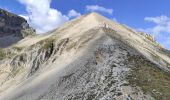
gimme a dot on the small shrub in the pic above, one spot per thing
(2, 54)
(48, 44)
(18, 48)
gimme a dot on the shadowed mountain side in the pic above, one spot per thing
(13, 28)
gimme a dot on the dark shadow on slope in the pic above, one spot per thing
(8, 40)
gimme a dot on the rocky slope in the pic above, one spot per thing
(13, 28)
(89, 58)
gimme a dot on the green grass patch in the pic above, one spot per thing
(149, 78)
(18, 48)
(47, 43)
(6, 54)
(2, 54)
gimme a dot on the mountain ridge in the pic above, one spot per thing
(87, 58)
(124, 32)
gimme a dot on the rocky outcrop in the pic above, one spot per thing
(13, 28)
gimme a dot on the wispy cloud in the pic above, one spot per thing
(162, 20)
(99, 9)
(162, 24)
(41, 16)
(161, 29)
(72, 14)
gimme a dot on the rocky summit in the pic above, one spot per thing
(88, 58)
(13, 28)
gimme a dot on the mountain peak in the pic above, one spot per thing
(94, 14)
(96, 17)
(88, 53)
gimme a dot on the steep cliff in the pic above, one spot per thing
(13, 28)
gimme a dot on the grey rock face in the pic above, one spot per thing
(13, 26)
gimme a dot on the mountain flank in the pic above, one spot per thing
(88, 58)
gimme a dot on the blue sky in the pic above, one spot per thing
(151, 16)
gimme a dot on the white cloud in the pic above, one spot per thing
(25, 17)
(72, 14)
(162, 24)
(161, 29)
(99, 8)
(41, 16)
(158, 20)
